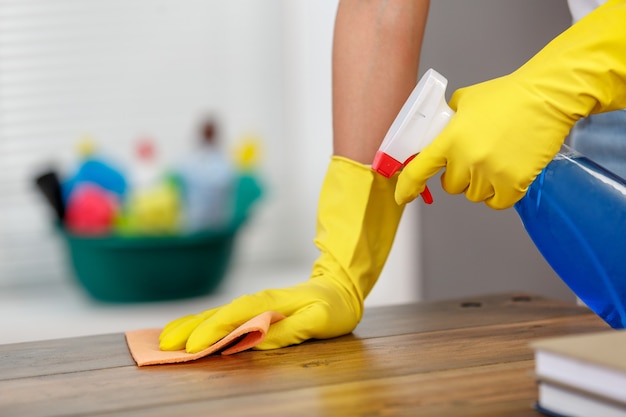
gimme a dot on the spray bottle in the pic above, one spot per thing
(208, 180)
(574, 211)
(153, 204)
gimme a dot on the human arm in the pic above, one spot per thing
(376, 50)
(375, 58)
(507, 130)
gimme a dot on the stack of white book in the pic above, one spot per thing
(582, 375)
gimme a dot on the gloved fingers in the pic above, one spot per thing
(227, 318)
(175, 335)
(173, 324)
(505, 197)
(479, 193)
(455, 179)
(479, 189)
(209, 332)
(315, 321)
(412, 179)
(289, 331)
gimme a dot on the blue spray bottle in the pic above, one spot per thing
(574, 211)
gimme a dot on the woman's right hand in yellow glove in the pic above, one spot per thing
(508, 129)
(501, 137)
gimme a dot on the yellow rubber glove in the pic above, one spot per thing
(508, 129)
(356, 225)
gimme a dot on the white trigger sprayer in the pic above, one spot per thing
(424, 114)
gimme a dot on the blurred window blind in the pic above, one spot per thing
(113, 70)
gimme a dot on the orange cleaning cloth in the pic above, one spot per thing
(144, 344)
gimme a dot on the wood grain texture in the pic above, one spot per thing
(493, 390)
(481, 310)
(50, 357)
(450, 363)
(104, 351)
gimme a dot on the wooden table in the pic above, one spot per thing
(467, 357)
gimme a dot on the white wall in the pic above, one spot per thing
(124, 67)
(119, 69)
(468, 248)
(116, 70)
(452, 248)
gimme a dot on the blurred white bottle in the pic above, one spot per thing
(147, 169)
(153, 204)
(208, 184)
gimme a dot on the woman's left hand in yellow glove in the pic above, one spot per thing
(314, 310)
(356, 224)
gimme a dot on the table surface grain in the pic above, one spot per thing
(462, 357)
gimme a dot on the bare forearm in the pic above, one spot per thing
(376, 52)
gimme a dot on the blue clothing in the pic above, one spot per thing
(602, 138)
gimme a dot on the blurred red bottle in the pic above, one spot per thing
(91, 210)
